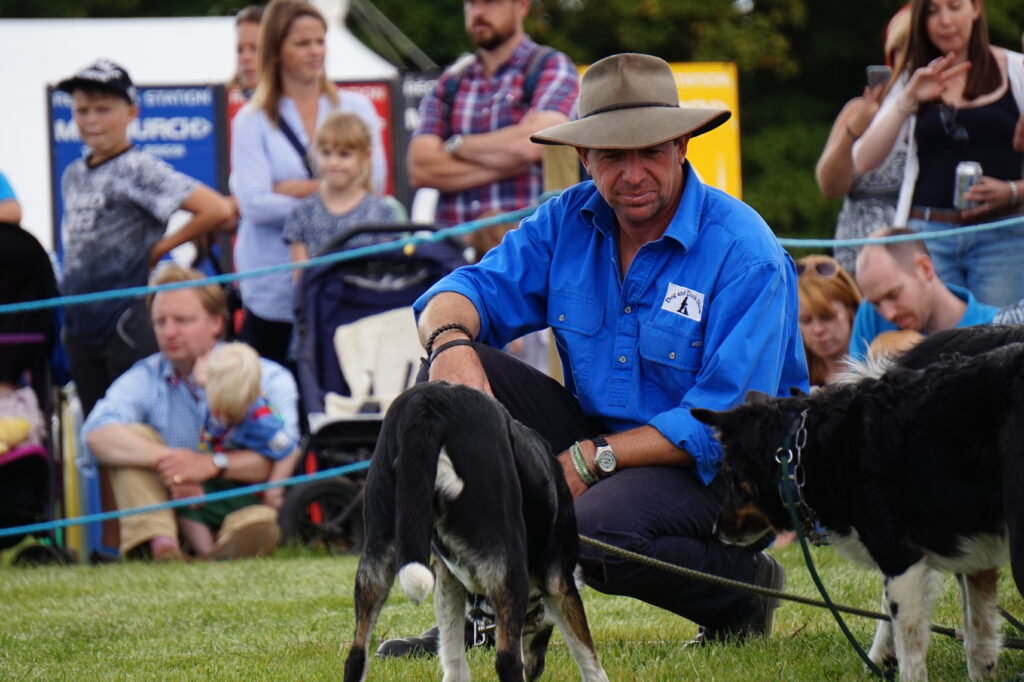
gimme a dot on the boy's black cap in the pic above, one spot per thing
(102, 74)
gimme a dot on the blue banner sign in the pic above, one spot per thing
(183, 125)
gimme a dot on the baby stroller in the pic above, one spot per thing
(359, 311)
(28, 478)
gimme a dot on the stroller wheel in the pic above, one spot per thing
(43, 555)
(326, 513)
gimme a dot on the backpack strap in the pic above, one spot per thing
(535, 64)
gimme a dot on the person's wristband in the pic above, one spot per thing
(1014, 194)
(580, 465)
(445, 346)
(446, 328)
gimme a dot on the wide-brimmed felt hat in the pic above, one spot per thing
(102, 74)
(630, 101)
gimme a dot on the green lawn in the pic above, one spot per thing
(289, 617)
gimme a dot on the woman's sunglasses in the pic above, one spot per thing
(824, 268)
(956, 133)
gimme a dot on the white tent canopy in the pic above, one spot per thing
(181, 51)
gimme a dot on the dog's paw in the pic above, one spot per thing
(416, 581)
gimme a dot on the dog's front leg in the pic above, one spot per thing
(450, 609)
(910, 604)
(883, 649)
(982, 640)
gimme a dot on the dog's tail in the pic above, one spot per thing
(421, 468)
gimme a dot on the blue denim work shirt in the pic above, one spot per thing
(704, 314)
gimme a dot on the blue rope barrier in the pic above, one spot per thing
(917, 236)
(134, 292)
(173, 504)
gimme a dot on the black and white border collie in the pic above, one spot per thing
(453, 472)
(917, 470)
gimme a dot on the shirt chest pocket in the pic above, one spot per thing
(669, 349)
(576, 320)
(572, 312)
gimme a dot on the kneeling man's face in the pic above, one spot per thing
(900, 295)
(641, 185)
(184, 329)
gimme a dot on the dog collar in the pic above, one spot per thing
(792, 477)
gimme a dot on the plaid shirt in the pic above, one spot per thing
(483, 105)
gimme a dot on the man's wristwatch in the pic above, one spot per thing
(605, 462)
(220, 460)
(453, 144)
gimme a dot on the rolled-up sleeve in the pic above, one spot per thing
(747, 344)
(279, 386)
(509, 287)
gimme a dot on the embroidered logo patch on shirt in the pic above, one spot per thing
(683, 301)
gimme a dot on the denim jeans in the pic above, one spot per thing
(990, 264)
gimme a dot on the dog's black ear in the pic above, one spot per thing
(709, 417)
(795, 392)
(757, 397)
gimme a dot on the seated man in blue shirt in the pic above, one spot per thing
(146, 429)
(663, 294)
(902, 291)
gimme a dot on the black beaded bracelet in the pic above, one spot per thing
(445, 346)
(446, 328)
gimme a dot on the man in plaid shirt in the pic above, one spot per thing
(473, 139)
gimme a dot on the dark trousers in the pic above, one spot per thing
(270, 339)
(95, 363)
(662, 512)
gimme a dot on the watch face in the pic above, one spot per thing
(606, 462)
(221, 460)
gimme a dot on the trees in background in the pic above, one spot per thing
(799, 61)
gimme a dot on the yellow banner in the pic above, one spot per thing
(715, 155)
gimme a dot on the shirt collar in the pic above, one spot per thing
(682, 228)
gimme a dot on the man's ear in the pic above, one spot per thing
(684, 142)
(925, 266)
(582, 153)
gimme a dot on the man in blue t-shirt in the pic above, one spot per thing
(663, 295)
(902, 291)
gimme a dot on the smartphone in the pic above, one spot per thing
(878, 73)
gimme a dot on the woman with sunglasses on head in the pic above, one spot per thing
(869, 199)
(958, 99)
(828, 303)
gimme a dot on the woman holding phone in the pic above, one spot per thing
(957, 99)
(869, 199)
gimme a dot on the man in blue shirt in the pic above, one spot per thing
(663, 294)
(902, 291)
(146, 428)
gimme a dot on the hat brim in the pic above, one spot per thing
(636, 128)
(69, 85)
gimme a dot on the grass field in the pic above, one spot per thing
(289, 617)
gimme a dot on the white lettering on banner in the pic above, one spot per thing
(417, 87)
(190, 97)
(704, 103)
(703, 79)
(166, 151)
(65, 130)
(178, 128)
(374, 92)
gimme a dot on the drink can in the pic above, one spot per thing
(967, 174)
